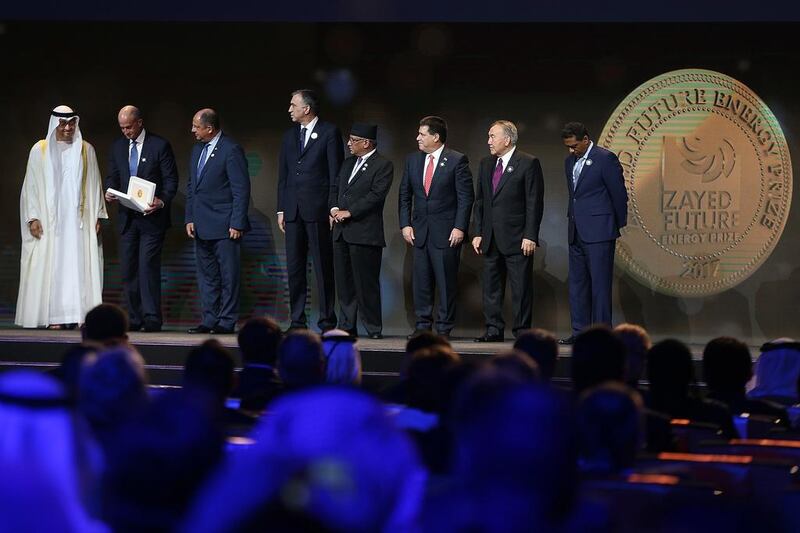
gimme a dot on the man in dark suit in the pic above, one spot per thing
(310, 158)
(148, 156)
(508, 211)
(357, 199)
(598, 209)
(435, 202)
(217, 199)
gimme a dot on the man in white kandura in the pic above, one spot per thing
(61, 267)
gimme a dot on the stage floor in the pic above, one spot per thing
(166, 351)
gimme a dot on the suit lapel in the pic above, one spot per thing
(361, 171)
(510, 167)
(439, 171)
(210, 160)
(311, 140)
(348, 169)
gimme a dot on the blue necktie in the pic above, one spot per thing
(202, 162)
(133, 159)
(576, 172)
(302, 138)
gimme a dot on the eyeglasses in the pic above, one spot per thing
(353, 140)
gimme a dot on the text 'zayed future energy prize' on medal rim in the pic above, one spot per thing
(709, 180)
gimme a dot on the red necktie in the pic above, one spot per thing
(426, 183)
(498, 173)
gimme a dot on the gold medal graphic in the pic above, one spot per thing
(709, 181)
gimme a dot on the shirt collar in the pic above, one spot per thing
(140, 138)
(213, 142)
(586, 154)
(437, 154)
(368, 155)
(311, 125)
(507, 156)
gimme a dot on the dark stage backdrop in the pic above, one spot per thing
(538, 75)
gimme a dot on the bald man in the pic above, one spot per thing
(217, 198)
(148, 156)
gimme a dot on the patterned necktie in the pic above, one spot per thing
(133, 159)
(202, 162)
(498, 173)
(302, 138)
(576, 172)
(355, 169)
(426, 183)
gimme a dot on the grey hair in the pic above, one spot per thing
(509, 128)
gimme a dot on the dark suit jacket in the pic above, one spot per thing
(515, 211)
(364, 197)
(219, 197)
(598, 207)
(305, 178)
(156, 164)
(450, 201)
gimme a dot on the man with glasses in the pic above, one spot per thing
(310, 158)
(357, 199)
(598, 209)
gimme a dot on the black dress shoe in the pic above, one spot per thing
(134, 327)
(488, 337)
(417, 333)
(199, 329)
(219, 330)
(375, 336)
(567, 340)
(151, 327)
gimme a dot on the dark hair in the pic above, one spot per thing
(727, 365)
(210, 367)
(259, 339)
(542, 347)
(637, 342)
(106, 323)
(574, 129)
(209, 117)
(610, 426)
(597, 356)
(669, 367)
(436, 125)
(301, 359)
(427, 378)
(112, 390)
(309, 98)
(158, 462)
(425, 339)
(518, 364)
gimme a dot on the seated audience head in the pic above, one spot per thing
(106, 325)
(610, 428)
(540, 345)
(518, 364)
(328, 459)
(515, 442)
(597, 356)
(670, 370)
(301, 361)
(71, 366)
(637, 343)
(423, 339)
(210, 369)
(778, 371)
(342, 359)
(43, 435)
(258, 341)
(158, 461)
(112, 389)
(427, 377)
(727, 365)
